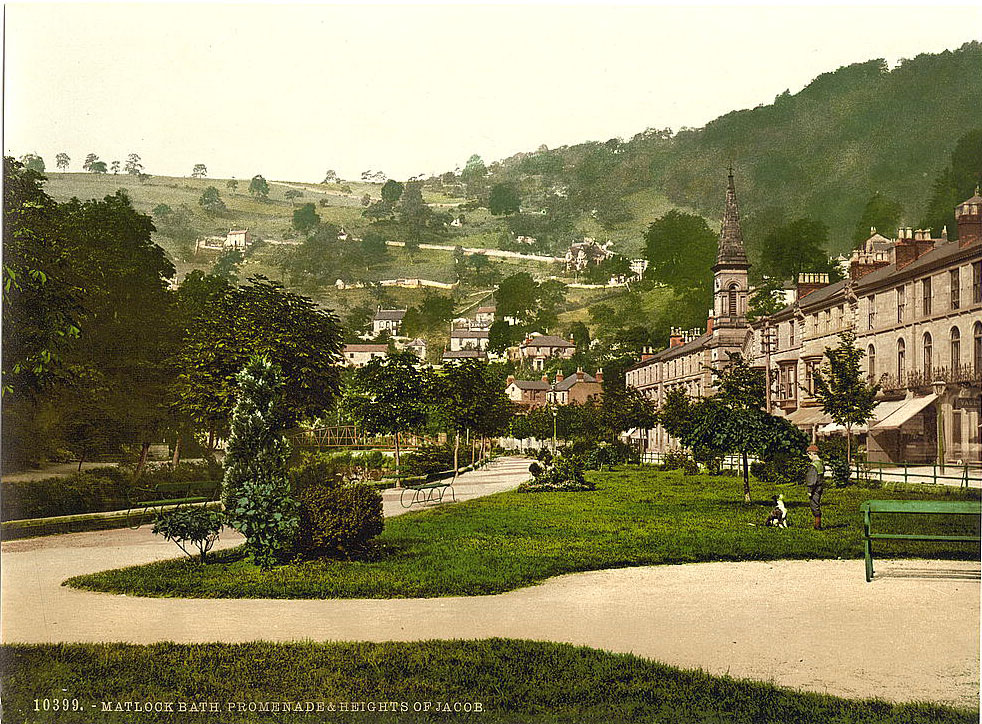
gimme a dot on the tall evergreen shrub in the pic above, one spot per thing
(256, 488)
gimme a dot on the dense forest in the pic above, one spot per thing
(864, 130)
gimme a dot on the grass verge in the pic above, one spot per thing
(505, 541)
(512, 680)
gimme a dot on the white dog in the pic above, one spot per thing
(779, 515)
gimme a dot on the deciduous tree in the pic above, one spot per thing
(199, 171)
(258, 188)
(62, 160)
(841, 387)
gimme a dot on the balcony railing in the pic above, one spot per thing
(922, 378)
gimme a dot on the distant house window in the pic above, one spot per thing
(977, 281)
(871, 361)
(955, 291)
(977, 346)
(901, 360)
(901, 302)
(791, 333)
(927, 354)
(926, 289)
(956, 348)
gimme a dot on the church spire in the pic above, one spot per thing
(731, 252)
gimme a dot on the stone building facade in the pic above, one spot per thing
(914, 304)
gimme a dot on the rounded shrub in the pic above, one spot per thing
(337, 518)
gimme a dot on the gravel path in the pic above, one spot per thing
(912, 634)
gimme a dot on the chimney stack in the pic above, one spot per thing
(559, 377)
(968, 214)
(600, 375)
(579, 374)
(511, 378)
(545, 379)
(810, 282)
(675, 340)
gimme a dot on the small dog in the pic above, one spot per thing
(779, 515)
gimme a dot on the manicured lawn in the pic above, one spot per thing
(505, 541)
(514, 681)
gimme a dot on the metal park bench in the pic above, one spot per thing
(913, 507)
(427, 489)
(155, 498)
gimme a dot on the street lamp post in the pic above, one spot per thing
(939, 391)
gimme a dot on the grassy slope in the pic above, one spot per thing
(509, 540)
(515, 681)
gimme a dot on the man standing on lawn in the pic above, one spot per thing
(815, 482)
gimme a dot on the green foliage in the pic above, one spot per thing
(605, 454)
(834, 452)
(504, 199)
(955, 183)
(793, 248)
(338, 520)
(679, 459)
(190, 525)
(134, 165)
(62, 160)
(33, 162)
(680, 248)
(211, 201)
(429, 459)
(259, 318)
(841, 387)
(766, 299)
(306, 219)
(880, 213)
(392, 191)
(565, 474)
(259, 188)
(256, 491)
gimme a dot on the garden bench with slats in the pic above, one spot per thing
(161, 495)
(913, 507)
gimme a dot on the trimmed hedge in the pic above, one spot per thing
(98, 490)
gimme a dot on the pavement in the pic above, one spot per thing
(910, 635)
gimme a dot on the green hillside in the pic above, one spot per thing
(821, 153)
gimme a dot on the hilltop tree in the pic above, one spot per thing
(504, 199)
(293, 194)
(134, 165)
(199, 171)
(98, 167)
(331, 177)
(211, 201)
(306, 219)
(231, 185)
(89, 160)
(841, 387)
(392, 191)
(258, 188)
(414, 215)
(62, 160)
(33, 162)
(114, 166)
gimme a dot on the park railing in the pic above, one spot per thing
(962, 474)
(729, 462)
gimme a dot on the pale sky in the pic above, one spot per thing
(290, 91)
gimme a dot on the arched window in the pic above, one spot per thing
(927, 354)
(956, 348)
(901, 361)
(871, 360)
(977, 348)
(732, 300)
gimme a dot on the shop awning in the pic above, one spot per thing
(808, 417)
(881, 412)
(904, 413)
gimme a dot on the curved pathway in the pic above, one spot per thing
(912, 634)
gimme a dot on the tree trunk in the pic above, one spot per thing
(470, 444)
(456, 453)
(175, 461)
(81, 459)
(398, 469)
(142, 463)
(849, 445)
(746, 479)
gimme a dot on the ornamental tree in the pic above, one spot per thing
(841, 387)
(387, 396)
(259, 318)
(256, 487)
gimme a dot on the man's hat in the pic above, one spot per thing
(812, 448)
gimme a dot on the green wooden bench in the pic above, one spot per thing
(430, 489)
(913, 507)
(161, 495)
